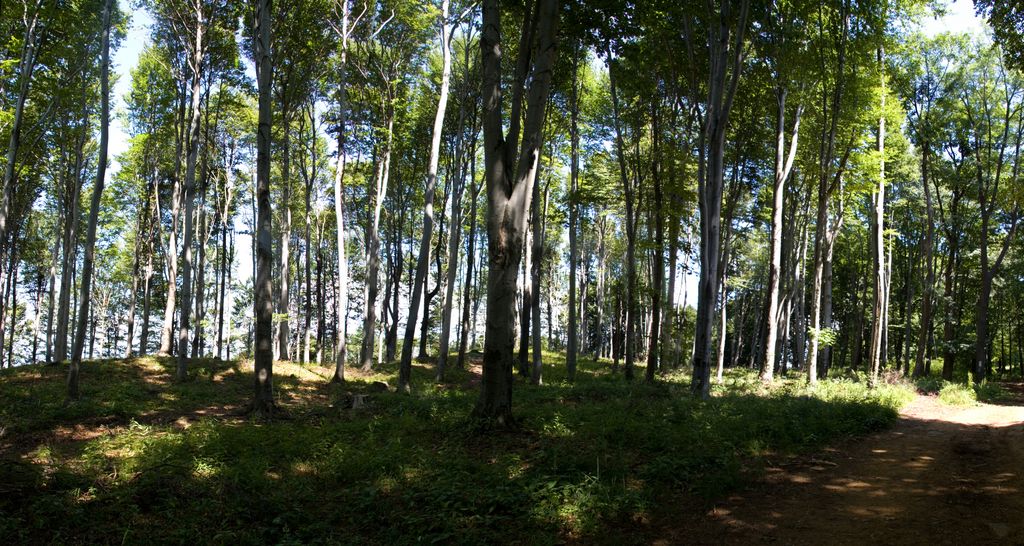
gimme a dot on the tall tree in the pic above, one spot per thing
(94, 207)
(510, 175)
(263, 398)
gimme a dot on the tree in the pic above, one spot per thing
(263, 398)
(423, 261)
(97, 191)
(725, 45)
(510, 175)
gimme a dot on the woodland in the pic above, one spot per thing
(503, 271)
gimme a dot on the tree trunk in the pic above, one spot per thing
(341, 286)
(710, 177)
(509, 199)
(572, 345)
(283, 332)
(373, 249)
(658, 265)
(184, 317)
(423, 261)
(783, 166)
(467, 290)
(454, 238)
(878, 236)
(538, 217)
(51, 285)
(630, 195)
(26, 66)
(263, 396)
(69, 254)
(94, 207)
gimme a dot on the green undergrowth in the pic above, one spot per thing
(961, 394)
(143, 459)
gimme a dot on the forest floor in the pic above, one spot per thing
(941, 475)
(144, 459)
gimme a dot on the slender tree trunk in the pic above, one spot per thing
(283, 330)
(658, 265)
(69, 254)
(423, 261)
(783, 166)
(538, 219)
(527, 299)
(629, 193)
(711, 174)
(341, 286)
(878, 236)
(373, 249)
(51, 285)
(468, 283)
(263, 398)
(454, 241)
(171, 251)
(94, 207)
(572, 345)
(184, 317)
(26, 66)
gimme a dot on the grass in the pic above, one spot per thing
(144, 459)
(959, 394)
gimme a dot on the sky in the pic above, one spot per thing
(960, 17)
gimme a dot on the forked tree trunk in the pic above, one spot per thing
(509, 199)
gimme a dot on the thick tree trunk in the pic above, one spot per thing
(509, 198)
(710, 176)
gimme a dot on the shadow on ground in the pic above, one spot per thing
(142, 458)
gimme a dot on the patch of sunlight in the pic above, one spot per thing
(517, 467)
(205, 468)
(304, 468)
(386, 484)
(556, 428)
(42, 454)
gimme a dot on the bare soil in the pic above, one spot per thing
(941, 475)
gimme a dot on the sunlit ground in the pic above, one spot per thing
(142, 458)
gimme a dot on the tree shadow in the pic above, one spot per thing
(600, 460)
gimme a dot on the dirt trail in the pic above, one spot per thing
(941, 475)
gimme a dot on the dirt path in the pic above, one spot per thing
(941, 475)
